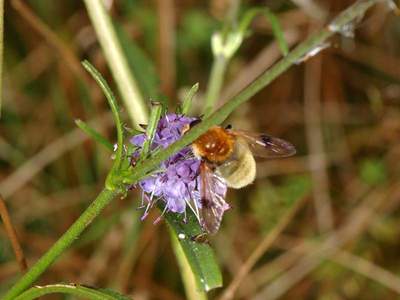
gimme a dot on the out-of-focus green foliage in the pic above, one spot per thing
(195, 31)
(42, 97)
(5, 250)
(373, 171)
(271, 201)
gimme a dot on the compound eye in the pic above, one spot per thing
(187, 127)
(194, 123)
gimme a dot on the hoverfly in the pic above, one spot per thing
(227, 157)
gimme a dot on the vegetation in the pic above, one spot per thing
(322, 224)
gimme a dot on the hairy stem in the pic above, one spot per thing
(62, 244)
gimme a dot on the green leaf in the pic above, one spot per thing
(187, 101)
(270, 202)
(373, 171)
(278, 32)
(117, 120)
(188, 278)
(151, 128)
(82, 291)
(94, 134)
(200, 256)
(273, 20)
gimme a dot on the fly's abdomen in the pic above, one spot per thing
(241, 169)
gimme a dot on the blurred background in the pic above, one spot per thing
(332, 210)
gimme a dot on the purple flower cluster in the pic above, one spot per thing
(177, 181)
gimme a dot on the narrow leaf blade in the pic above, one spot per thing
(72, 289)
(278, 32)
(187, 101)
(94, 134)
(200, 256)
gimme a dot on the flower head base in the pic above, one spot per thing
(177, 181)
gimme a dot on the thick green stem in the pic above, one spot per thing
(215, 83)
(62, 244)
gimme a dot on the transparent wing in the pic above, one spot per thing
(264, 145)
(213, 205)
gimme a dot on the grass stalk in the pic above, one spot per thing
(126, 83)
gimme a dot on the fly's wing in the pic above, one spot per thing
(264, 145)
(213, 205)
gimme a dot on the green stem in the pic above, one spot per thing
(62, 244)
(353, 12)
(127, 86)
(112, 102)
(215, 83)
(70, 289)
(220, 62)
(110, 184)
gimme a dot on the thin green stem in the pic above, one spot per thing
(114, 108)
(215, 83)
(110, 181)
(70, 289)
(352, 13)
(126, 83)
(62, 244)
(221, 60)
(230, 20)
